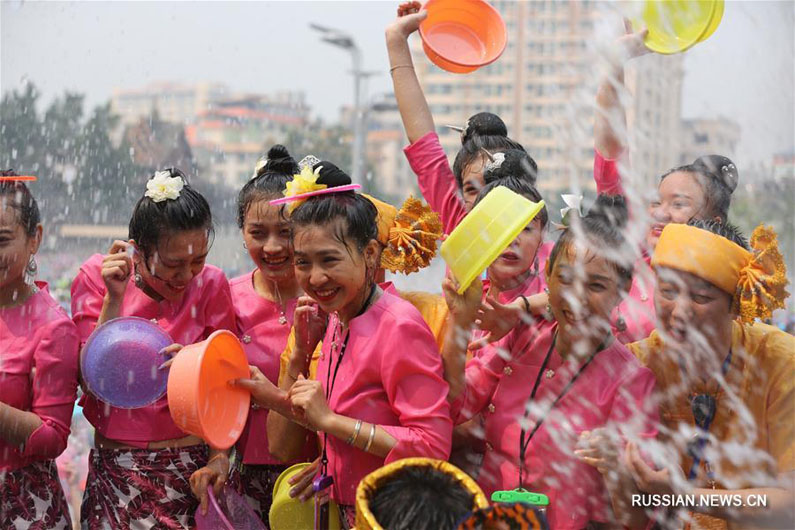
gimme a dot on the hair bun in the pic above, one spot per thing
(484, 124)
(278, 160)
(611, 209)
(331, 175)
(511, 163)
(720, 168)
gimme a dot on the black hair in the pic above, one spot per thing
(420, 497)
(483, 124)
(269, 180)
(151, 220)
(22, 200)
(357, 211)
(603, 225)
(484, 131)
(727, 230)
(513, 163)
(520, 186)
(718, 177)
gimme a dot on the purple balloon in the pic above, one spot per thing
(229, 511)
(120, 362)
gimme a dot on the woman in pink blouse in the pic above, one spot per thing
(487, 155)
(700, 190)
(379, 394)
(38, 373)
(555, 389)
(264, 302)
(140, 468)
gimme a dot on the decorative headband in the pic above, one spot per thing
(369, 484)
(304, 185)
(757, 280)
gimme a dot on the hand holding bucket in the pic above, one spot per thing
(200, 397)
(461, 36)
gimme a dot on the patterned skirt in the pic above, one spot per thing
(31, 498)
(140, 488)
(255, 483)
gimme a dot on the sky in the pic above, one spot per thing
(745, 71)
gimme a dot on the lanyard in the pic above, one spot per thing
(330, 383)
(524, 437)
(710, 403)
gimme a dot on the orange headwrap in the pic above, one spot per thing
(409, 234)
(757, 279)
(369, 484)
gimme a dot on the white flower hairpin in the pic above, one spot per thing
(573, 203)
(163, 187)
(495, 162)
(309, 161)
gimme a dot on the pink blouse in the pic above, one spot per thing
(390, 375)
(613, 391)
(264, 339)
(205, 306)
(38, 335)
(637, 309)
(438, 185)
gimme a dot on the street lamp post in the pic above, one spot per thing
(345, 41)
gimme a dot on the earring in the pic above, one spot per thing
(30, 271)
(621, 324)
(244, 246)
(138, 279)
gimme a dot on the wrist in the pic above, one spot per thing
(396, 36)
(328, 422)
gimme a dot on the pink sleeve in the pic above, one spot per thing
(417, 392)
(634, 411)
(220, 313)
(606, 175)
(54, 390)
(87, 298)
(482, 374)
(436, 180)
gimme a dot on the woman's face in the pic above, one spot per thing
(691, 311)
(518, 258)
(16, 247)
(334, 275)
(680, 199)
(472, 181)
(179, 257)
(266, 233)
(583, 290)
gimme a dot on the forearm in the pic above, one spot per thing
(454, 357)
(610, 117)
(344, 428)
(111, 308)
(286, 438)
(778, 510)
(620, 488)
(16, 425)
(414, 111)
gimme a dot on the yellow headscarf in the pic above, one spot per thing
(757, 280)
(365, 520)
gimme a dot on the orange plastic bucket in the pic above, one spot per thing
(200, 398)
(460, 36)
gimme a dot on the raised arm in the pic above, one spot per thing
(414, 111)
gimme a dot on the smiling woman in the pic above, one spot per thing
(159, 274)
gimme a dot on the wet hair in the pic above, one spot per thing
(152, 220)
(484, 131)
(520, 186)
(603, 226)
(269, 180)
(514, 163)
(718, 177)
(15, 194)
(357, 212)
(727, 230)
(420, 498)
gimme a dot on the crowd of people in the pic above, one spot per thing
(626, 357)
